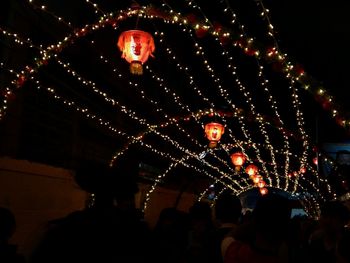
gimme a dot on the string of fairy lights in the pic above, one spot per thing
(141, 121)
(289, 67)
(271, 33)
(293, 79)
(249, 101)
(307, 83)
(177, 99)
(199, 52)
(89, 82)
(193, 115)
(154, 186)
(311, 184)
(176, 18)
(125, 110)
(173, 165)
(132, 115)
(169, 169)
(191, 82)
(264, 84)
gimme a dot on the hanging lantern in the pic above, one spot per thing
(251, 169)
(315, 161)
(302, 170)
(261, 184)
(238, 160)
(136, 46)
(214, 131)
(263, 191)
(256, 179)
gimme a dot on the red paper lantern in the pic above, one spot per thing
(251, 169)
(201, 32)
(250, 51)
(315, 160)
(261, 184)
(256, 179)
(263, 191)
(302, 170)
(214, 131)
(21, 80)
(238, 160)
(136, 47)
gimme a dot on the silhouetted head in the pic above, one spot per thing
(228, 208)
(110, 185)
(169, 217)
(200, 211)
(7, 224)
(334, 215)
(168, 214)
(271, 216)
(342, 248)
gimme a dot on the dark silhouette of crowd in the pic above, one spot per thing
(268, 234)
(324, 241)
(170, 236)
(228, 212)
(111, 229)
(8, 252)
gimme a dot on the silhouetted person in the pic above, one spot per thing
(170, 236)
(200, 233)
(264, 239)
(299, 230)
(103, 232)
(246, 217)
(8, 252)
(323, 241)
(228, 210)
(343, 248)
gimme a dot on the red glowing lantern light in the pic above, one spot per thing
(263, 191)
(214, 131)
(315, 160)
(136, 47)
(238, 160)
(302, 170)
(261, 184)
(256, 179)
(251, 169)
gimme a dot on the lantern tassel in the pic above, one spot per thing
(212, 144)
(136, 68)
(238, 168)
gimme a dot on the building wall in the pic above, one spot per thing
(36, 193)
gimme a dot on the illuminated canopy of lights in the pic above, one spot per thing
(214, 87)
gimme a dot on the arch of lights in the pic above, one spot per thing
(225, 174)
